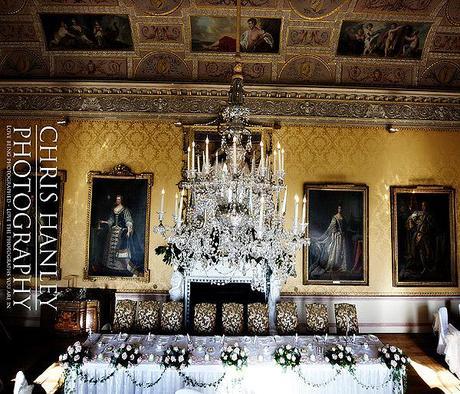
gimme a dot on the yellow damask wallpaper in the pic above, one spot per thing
(369, 155)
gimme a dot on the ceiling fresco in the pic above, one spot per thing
(364, 43)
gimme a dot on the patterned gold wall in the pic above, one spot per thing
(313, 154)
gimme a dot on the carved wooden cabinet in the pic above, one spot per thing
(77, 316)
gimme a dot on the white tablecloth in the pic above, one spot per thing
(261, 375)
(452, 351)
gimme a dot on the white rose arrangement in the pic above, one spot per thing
(340, 355)
(176, 357)
(287, 356)
(126, 356)
(234, 356)
(74, 356)
(393, 357)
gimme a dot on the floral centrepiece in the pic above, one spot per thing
(74, 356)
(340, 355)
(234, 356)
(176, 357)
(393, 357)
(287, 356)
(125, 356)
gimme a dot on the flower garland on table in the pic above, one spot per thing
(341, 356)
(234, 356)
(180, 358)
(125, 356)
(396, 361)
(287, 356)
(74, 356)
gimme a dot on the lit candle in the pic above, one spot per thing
(296, 211)
(253, 164)
(262, 155)
(282, 160)
(278, 148)
(176, 207)
(234, 154)
(179, 216)
(274, 163)
(193, 156)
(261, 213)
(304, 210)
(205, 164)
(207, 151)
(217, 159)
(162, 203)
(188, 158)
(198, 162)
(230, 195)
(250, 201)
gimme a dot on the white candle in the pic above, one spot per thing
(193, 156)
(274, 164)
(282, 159)
(262, 155)
(217, 159)
(207, 151)
(250, 201)
(205, 164)
(176, 207)
(284, 202)
(304, 210)
(179, 216)
(278, 148)
(234, 155)
(162, 203)
(188, 158)
(261, 213)
(230, 195)
(296, 211)
(253, 164)
(198, 163)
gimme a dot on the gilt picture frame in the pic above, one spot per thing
(118, 224)
(338, 228)
(423, 236)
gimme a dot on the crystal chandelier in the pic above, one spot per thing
(230, 215)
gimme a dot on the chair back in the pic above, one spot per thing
(346, 319)
(172, 317)
(204, 318)
(286, 318)
(125, 314)
(232, 319)
(147, 316)
(316, 318)
(258, 319)
(443, 320)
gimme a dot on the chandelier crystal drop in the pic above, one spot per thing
(230, 214)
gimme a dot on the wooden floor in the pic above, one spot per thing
(428, 373)
(33, 351)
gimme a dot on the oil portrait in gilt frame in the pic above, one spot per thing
(118, 224)
(423, 236)
(337, 217)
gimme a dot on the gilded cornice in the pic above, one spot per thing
(186, 101)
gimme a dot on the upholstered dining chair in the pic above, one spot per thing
(346, 319)
(172, 316)
(232, 319)
(147, 316)
(316, 318)
(258, 319)
(125, 314)
(204, 318)
(286, 317)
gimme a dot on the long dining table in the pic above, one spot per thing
(207, 374)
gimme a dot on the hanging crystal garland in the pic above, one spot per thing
(230, 214)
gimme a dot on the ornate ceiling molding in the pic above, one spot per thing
(269, 103)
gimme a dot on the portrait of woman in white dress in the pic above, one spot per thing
(337, 217)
